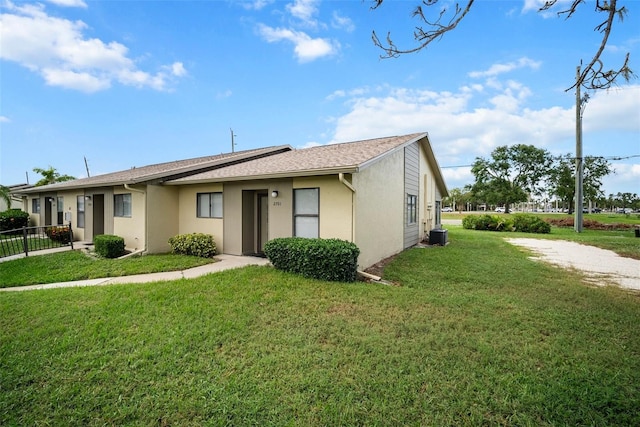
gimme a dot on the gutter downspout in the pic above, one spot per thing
(146, 210)
(353, 205)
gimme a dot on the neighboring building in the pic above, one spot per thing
(382, 194)
(16, 201)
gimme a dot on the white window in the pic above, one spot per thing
(209, 205)
(80, 220)
(60, 209)
(35, 206)
(122, 205)
(306, 212)
(412, 208)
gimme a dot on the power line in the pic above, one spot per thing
(611, 158)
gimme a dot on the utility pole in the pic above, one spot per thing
(86, 165)
(233, 144)
(579, 194)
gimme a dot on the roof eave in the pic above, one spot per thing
(275, 175)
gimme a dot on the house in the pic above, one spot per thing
(382, 194)
(16, 202)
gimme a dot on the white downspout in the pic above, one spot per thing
(353, 205)
(146, 210)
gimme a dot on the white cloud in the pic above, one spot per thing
(5, 119)
(57, 49)
(256, 5)
(342, 22)
(304, 10)
(226, 94)
(497, 69)
(306, 48)
(69, 3)
(461, 130)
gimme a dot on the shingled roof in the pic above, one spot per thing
(162, 171)
(347, 157)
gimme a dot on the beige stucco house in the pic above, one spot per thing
(382, 194)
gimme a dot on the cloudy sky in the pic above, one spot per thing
(131, 83)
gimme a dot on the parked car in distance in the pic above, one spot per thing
(447, 209)
(500, 209)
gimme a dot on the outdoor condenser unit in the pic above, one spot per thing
(438, 237)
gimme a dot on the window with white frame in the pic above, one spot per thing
(209, 205)
(306, 212)
(80, 208)
(438, 212)
(412, 208)
(60, 210)
(122, 205)
(35, 206)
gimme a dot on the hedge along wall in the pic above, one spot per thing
(323, 259)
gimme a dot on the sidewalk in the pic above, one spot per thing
(224, 262)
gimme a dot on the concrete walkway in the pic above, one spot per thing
(224, 262)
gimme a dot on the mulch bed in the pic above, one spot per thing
(589, 224)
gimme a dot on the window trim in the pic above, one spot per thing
(35, 205)
(298, 215)
(412, 209)
(211, 205)
(122, 205)
(80, 213)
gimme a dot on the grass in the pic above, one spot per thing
(477, 334)
(75, 265)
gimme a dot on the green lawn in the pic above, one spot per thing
(75, 265)
(476, 334)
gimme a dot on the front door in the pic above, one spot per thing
(98, 214)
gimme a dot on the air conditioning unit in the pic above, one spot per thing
(439, 237)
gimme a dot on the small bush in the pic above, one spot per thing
(518, 222)
(12, 219)
(60, 234)
(195, 244)
(109, 246)
(530, 224)
(323, 259)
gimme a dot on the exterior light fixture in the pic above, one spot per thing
(274, 193)
(87, 197)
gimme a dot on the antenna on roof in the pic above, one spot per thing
(233, 143)
(27, 175)
(86, 167)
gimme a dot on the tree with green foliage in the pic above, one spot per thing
(511, 175)
(51, 176)
(562, 181)
(5, 194)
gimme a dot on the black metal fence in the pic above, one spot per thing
(31, 239)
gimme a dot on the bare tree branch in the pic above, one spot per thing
(435, 29)
(592, 77)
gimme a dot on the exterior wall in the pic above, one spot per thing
(430, 193)
(70, 202)
(163, 217)
(91, 207)
(240, 219)
(188, 221)
(380, 209)
(412, 187)
(131, 229)
(34, 217)
(336, 206)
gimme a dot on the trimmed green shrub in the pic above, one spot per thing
(60, 234)
(530, 224)
(109, 246)
(519, 222)
(12, 219)
(195, 244)
(323, 259)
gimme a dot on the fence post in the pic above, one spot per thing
(25, 242)
(70, 235)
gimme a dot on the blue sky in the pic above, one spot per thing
(132, 83)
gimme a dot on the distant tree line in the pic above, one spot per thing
(524, 173)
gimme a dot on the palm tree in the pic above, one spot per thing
(5, 194)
